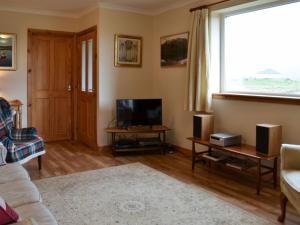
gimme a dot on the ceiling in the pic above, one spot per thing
(75, 8)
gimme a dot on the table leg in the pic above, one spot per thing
(113, 137)
(164, 142)
(258, 184)
(193, 155)
(209, 153)
(275, 172)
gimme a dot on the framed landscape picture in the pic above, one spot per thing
(128, 50)
(174, 50)
(8, 45)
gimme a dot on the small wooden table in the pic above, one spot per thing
(160, 130)
(246, 151)
(17, 105)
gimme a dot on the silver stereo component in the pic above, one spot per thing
(225, 139)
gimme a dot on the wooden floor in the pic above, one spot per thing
(70, 157)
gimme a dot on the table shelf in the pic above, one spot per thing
(241, 153)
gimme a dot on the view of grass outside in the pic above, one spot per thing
(267, 86)
(262, 51)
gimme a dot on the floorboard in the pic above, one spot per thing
(70, 157)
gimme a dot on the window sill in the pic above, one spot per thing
(258, 98)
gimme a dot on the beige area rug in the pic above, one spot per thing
(135, 194)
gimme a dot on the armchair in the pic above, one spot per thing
(290, 178)
(22, 144)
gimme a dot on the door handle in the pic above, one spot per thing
(69, 87)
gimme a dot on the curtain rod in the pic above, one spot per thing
(206, 6)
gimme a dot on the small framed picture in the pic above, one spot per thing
(128, 50)
(174, 50)
(8, 49)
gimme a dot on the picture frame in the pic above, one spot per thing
(8, 51)
(128, 50)
(174, 50)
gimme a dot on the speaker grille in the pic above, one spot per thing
(262, 139)
(197, 126)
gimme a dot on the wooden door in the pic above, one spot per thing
(87, 87)
(50, 65)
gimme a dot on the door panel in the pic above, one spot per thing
(49, 85)
(42, 64)
(41, 118)
(87, 91)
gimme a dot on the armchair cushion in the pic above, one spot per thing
(292, 178)
(24, 134)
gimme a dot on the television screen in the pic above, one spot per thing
(135, 112)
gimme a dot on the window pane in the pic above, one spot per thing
(83, 66)
(262, 51)
(90, 65)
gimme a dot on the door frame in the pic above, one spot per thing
(78, 78)
(30, 34)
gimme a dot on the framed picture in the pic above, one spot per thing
(8, 49)
(174, 50)
(128, 50)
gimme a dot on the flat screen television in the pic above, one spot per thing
(139, 112)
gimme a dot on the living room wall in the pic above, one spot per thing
(13, 84)
(121, 82)
(148, 81)
(232, 116)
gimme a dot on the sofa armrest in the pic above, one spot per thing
(24, 134)
(290, 157)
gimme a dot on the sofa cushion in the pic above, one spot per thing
(12, 172)
(38, 212)
(29, 221)
(7, 214)
(19, 193)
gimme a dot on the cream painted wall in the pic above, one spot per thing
(115, 82)
(232, 116)
(169, 83)
(13, 84)
(149, 81)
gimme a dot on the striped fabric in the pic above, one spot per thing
(20, 143)
(24, 134)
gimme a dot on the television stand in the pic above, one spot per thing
(138, 144)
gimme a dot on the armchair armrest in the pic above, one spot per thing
(24, 134)
(290, 157)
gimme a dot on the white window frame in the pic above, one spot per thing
(222, 44)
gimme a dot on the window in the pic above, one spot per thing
(83, 66)
(90, 65)
(261, 51)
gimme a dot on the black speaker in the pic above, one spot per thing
(268, 139)
(203, 125)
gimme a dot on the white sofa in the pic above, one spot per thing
(21, 194)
